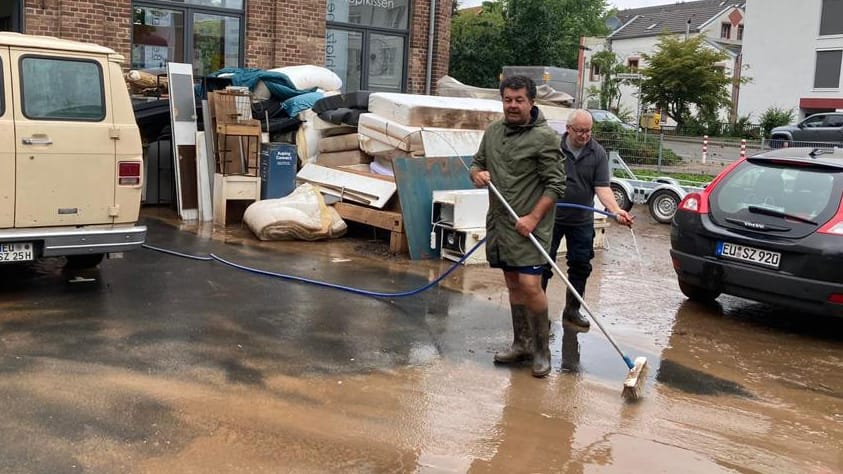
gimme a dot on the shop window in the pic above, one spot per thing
(827, 71)
(10, 15)
(206, 33)
(344, 56)
(366, 43)
(740, 32)
(726, 30)
(158, 38)
(632, 64)
(392, 14)
(831, 19)
(70, 98)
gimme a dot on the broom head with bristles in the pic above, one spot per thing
(633, 386)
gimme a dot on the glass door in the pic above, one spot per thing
(216, 43)
(205, 33)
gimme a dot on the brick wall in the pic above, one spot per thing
(105, 22)
(419, 42)
(282, 33)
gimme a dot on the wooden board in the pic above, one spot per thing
(352, 186)
(417, 178)
(388, 220)
(342, 158)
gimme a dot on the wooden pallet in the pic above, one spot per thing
(387, 220)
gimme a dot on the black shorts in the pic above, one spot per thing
(527, 270)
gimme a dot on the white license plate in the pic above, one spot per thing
(17, 252)
(744, 253)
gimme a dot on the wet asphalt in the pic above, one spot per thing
(157, 363)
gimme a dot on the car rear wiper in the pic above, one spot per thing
(776, 213)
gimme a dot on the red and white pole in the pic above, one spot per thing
(743, 148)
(705, 148)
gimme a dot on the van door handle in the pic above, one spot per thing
(38, 140)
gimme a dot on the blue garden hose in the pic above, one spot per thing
(375, 294)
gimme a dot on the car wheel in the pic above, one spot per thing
(623, 200)
(698, 294)
(663, 205)
(80, 262)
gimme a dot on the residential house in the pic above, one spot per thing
(794, 53)
(637, 32)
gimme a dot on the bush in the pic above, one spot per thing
(775, 117)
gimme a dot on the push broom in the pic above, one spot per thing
(633, 386)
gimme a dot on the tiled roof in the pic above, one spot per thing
(672, 18)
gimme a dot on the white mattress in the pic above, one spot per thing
(435, 111)
(379, 135)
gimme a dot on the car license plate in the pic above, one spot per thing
(16, 252)
(749, 254)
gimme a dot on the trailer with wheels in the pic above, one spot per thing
(661, 195)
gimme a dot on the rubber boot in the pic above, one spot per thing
(571, 314)
(541, 344)
(521, 341)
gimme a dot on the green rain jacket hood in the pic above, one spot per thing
(525, 163)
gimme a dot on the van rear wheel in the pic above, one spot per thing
(80, 262)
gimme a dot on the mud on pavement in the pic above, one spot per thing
(164, 364)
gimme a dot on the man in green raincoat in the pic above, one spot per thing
(521, 156)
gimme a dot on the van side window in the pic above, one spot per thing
(62, 89)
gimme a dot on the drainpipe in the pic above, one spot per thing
(431, 34)
(687, 29)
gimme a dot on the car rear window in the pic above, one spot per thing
(807, 193)
(62, 89)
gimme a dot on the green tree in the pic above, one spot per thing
(547, 32)
(478, 52)
(682, 74)
(610, 85)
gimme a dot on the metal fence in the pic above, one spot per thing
(637, 147)
(688, 155)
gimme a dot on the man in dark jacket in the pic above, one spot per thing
(520, 156)
(587, 173)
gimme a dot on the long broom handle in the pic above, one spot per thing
(573, 290)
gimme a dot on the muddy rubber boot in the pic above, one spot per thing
(571, 315)
(541, 344)
(521, 341)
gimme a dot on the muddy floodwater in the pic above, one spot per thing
(156, 364)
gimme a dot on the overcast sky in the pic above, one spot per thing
(620, 4)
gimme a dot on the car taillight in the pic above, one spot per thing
(694, 202)
(698, 202)
(835, 225)
(129, 173)
(836, 298)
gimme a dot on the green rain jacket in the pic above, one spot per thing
(525, 163)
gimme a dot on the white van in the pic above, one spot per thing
(70, 152)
